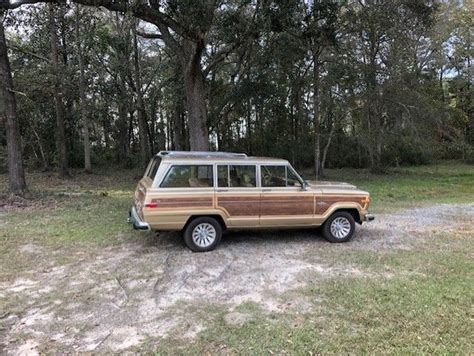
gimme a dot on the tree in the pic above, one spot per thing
(58, 92)
(322, 83)
(321, 32)
(141, 112)
(82, 93)
(8, 113)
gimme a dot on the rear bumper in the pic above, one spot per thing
(134, 219)
(369, 217)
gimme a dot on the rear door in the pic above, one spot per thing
(283, 202)
(237, 194)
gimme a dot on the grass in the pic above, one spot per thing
(414, 301)
(86, 208)
(401, 188)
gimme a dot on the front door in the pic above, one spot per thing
(237, 194)
(283, 202)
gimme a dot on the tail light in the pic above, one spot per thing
(151, 205)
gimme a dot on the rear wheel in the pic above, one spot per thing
(203, 234)
(339, 227)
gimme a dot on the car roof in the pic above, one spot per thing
(216, 157)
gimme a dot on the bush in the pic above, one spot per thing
(406, 150)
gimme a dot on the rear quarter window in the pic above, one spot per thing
(188, 176)
(153, 168)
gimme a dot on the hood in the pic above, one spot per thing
(326, 184)
(331, 188)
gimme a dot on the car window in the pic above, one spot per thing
(278, 176)
(273, 176)
(223, 176)
(237, 176)
(153, 167)
(188, 176)
(292, 179)
(242, 176)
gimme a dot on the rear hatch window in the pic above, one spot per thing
(143, 184)
(153, 167)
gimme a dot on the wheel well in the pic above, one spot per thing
(217, 217)
(355, 214)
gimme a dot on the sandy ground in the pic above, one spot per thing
(127, 296)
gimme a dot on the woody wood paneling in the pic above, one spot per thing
(286, 205)
(323, 203)
(183, 202)
(239, 205)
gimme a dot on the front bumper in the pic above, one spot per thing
(134, 219)
(369, 217)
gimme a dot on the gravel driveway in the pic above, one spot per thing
(117, 298)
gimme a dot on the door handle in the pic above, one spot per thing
(222, 190)
(266, 190)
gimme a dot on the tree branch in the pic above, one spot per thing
(148, 35)
(220, 56)
(10, 5)
(22, 50)
(139, 9)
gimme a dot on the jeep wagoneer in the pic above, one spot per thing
(204, 193)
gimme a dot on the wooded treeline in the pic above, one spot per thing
(323, 83)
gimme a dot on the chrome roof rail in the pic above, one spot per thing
(201, 154)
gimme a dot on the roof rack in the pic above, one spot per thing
(201, 153)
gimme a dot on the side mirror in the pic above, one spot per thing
(304, 185)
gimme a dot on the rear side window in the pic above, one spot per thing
(236, 176)
(222, 176)
(153, 167)
(188, 176)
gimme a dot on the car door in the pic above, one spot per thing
(237, 194)
(283, 201)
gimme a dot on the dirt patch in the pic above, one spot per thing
(399, 230)
(124, 297)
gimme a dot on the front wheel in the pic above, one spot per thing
(203, 234)
(339, 227)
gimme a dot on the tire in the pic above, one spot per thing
(339, 227)
(202, 234)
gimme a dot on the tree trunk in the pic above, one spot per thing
(316, 114)
(82, 97)
(326, 148)
(299, 101)
(122, 124)
(374, 119)
(123, 101)
(178, 127)
(195, 96)
(57, 93)
(8, 115)
(42, 152)
(141, 113)
(249, 127)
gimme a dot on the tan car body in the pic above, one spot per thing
(257, 207)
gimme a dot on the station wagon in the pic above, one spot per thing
(203, 194)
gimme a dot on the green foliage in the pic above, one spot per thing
(394, 81)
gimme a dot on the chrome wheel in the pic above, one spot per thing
(340, 227)
(204, 235)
